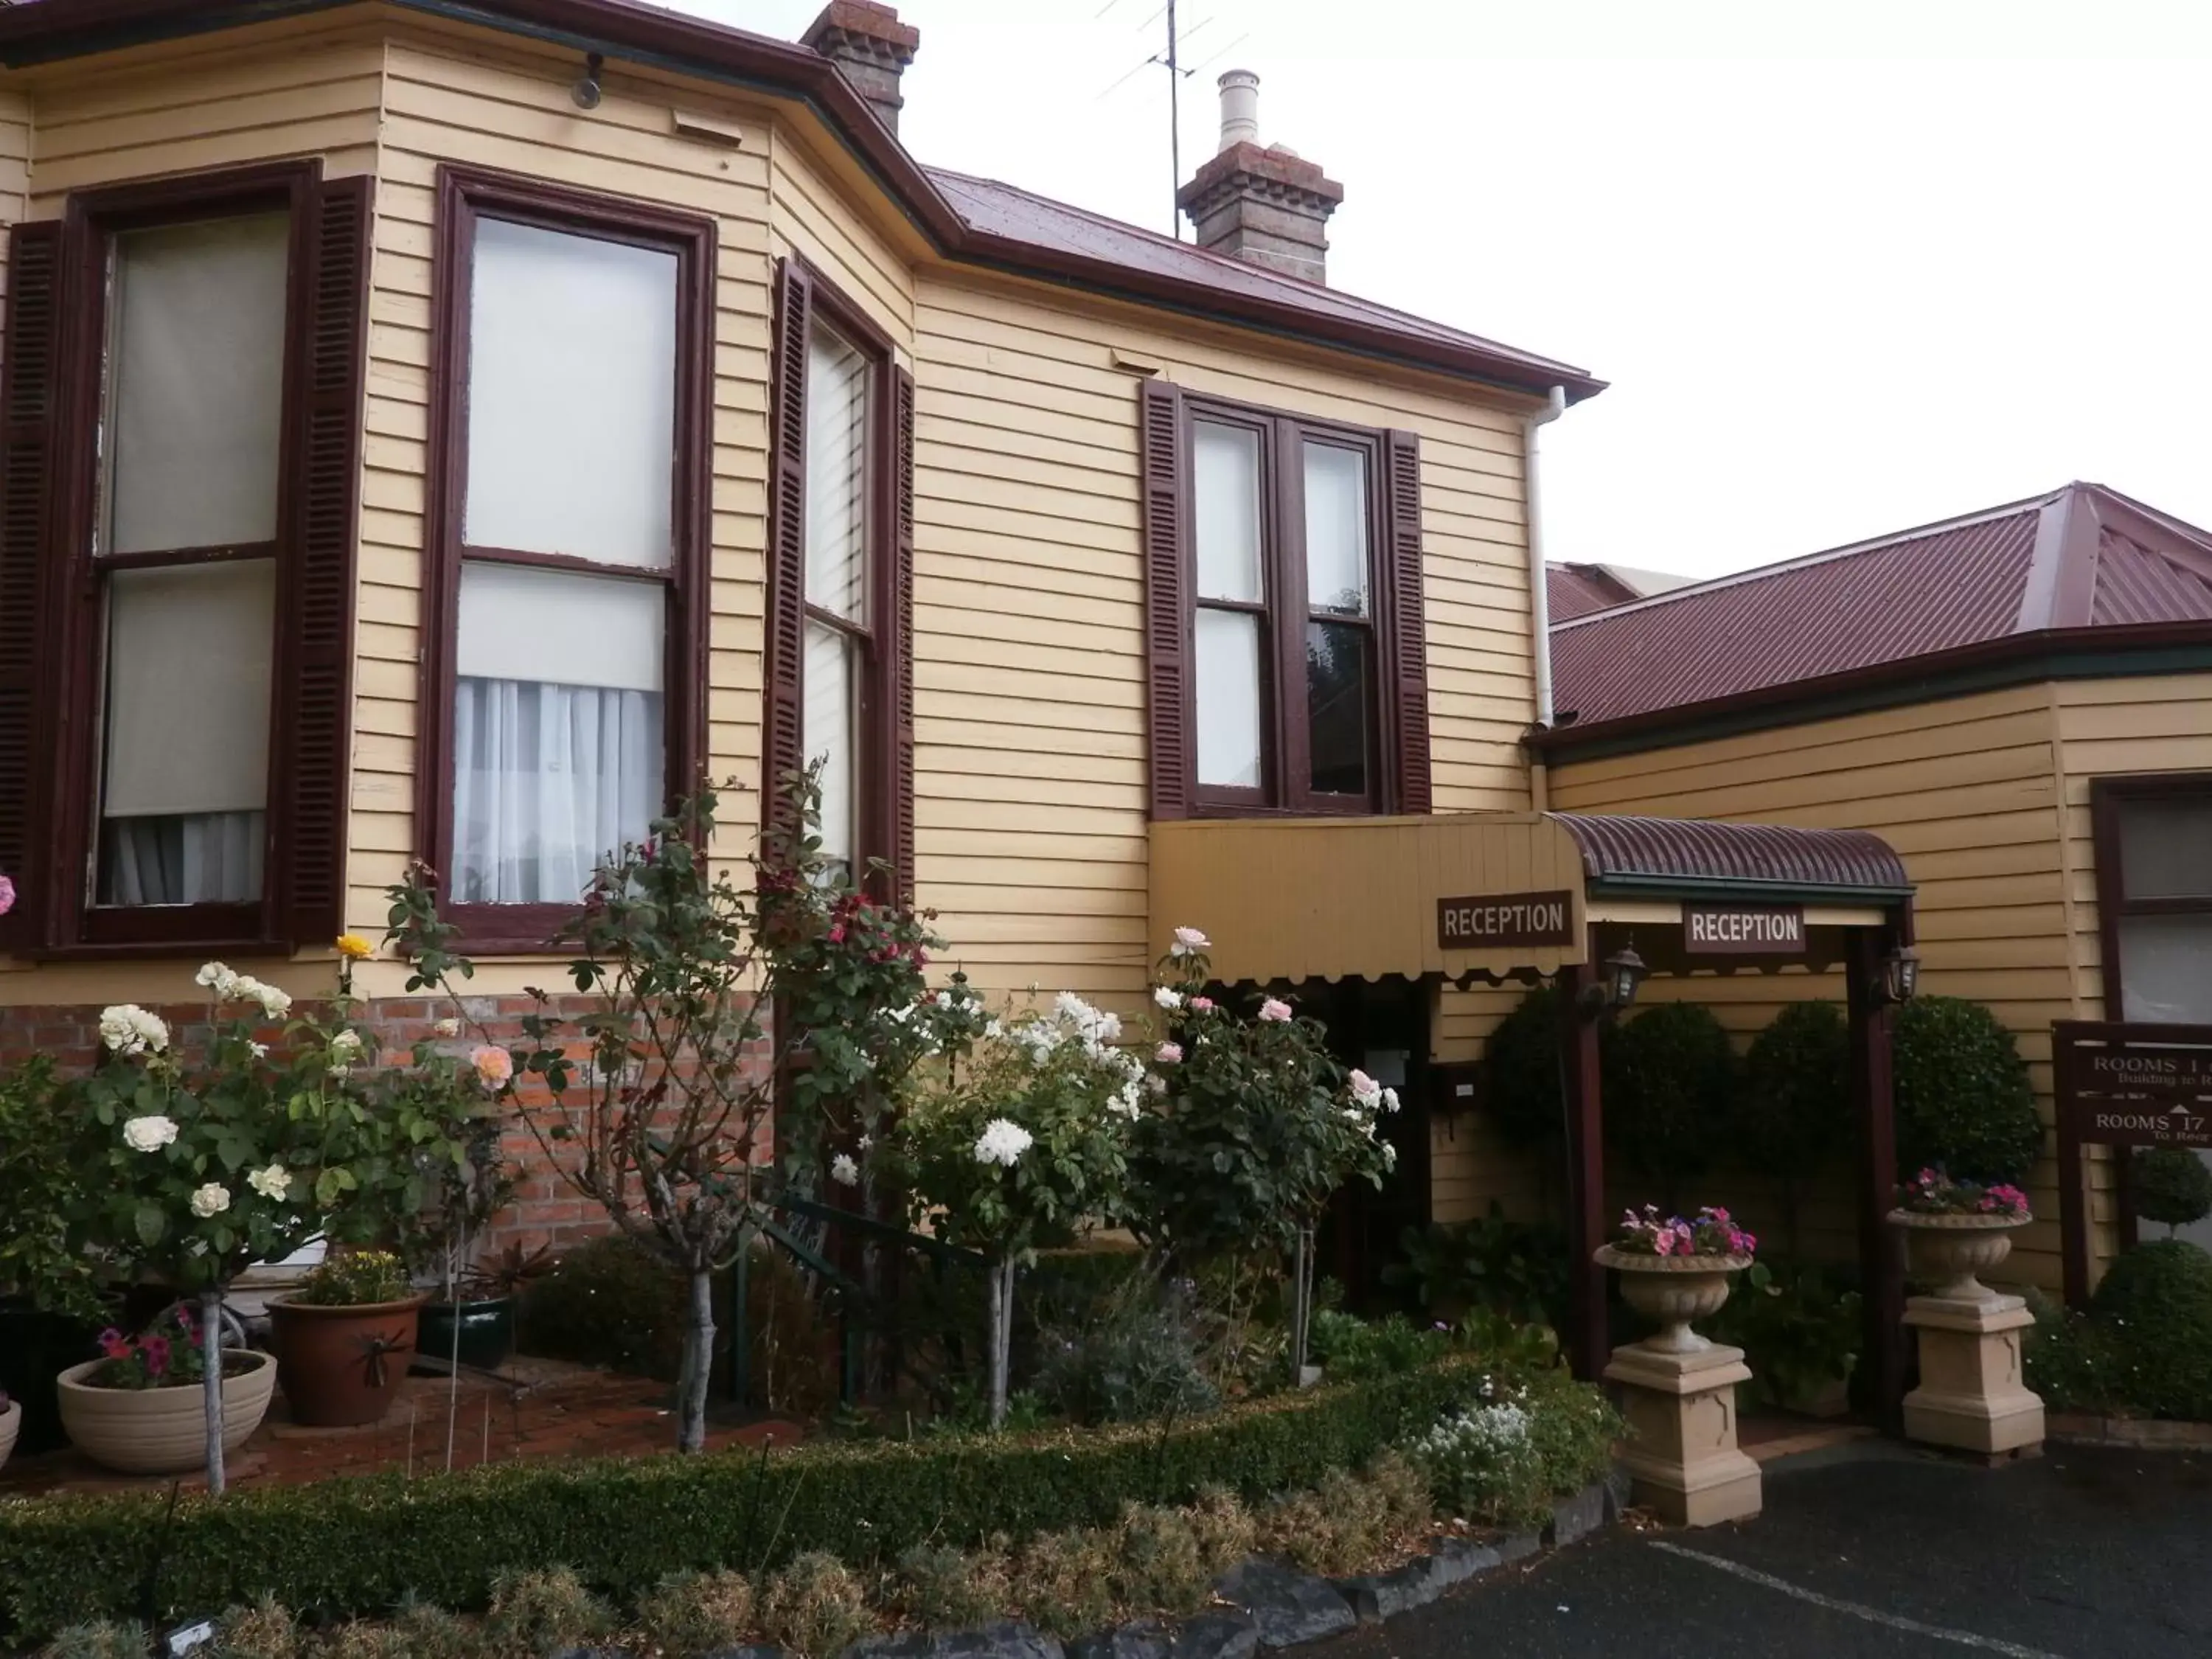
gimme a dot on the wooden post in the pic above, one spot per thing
(1589, 1339)
(2073, 1187)
(1873, 1100)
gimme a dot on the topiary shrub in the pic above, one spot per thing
(2172, 1184)
(1964, 1103)
(2155, 1302)
(1794, 1109)
(1670, 1081)
(1521, 1082)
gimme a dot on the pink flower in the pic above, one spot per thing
(1663, 1243)
(1202, 1005)
(494, 1065)
(1274, 1009)
(1169, 1053)
(7, 896)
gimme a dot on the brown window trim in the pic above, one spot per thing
(464, 194)
(2107, 795)
(1397, 688)
(50, 754)
(885, 762)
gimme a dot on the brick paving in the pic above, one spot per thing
(535, 1408)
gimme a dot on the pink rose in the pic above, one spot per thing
(494, 1065)
(1274, 1009)
(1202, 1005)
(7, 896)
(1169, 1053)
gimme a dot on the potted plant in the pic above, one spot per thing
(1956, 1230)
(138, 1408)
(474, 1326)
(344, 1338)
(1674, 1270)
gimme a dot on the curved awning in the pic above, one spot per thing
(1698, 858)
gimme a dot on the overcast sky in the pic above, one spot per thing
(1850, 265)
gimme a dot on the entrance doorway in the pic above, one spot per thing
(1381, 1027)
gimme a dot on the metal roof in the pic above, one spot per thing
(1696, 855)
(2083, 556)
(1576, 590)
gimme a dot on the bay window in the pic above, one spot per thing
(567, 676)
(1293, 677)
(180, 405)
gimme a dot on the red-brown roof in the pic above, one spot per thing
(970, 220)
(1576, 590)
(1697, 853)
(2080, 558)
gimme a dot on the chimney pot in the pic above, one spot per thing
(1268, 207)
(1240, 109)
(871, 48)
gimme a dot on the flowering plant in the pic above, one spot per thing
(1709, 1232)
(359, 1278)
(1934, 1192)
(167, 1354)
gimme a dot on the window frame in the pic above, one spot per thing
(93, 219)
(882, 782)
(465, 196)
(2109, 796)
(1287, 614)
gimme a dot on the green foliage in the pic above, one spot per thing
(940, 1587)
(1347, 1348)
(101, 1638)
(2156, 1301)
(2074, 1360)
(356, 1547)
(607, 1302)
(815, 1607)
(1800, 1328)
(1138, 1357)
(1794, 1111)
(1338, 1528)
(1501, 1460)
(693, 1612)
(354, 1280)
(1517, 1267)
(1670, 1090)
(542, 1610)
(265, 1631)
(2172, 1184)
(1964, 1101)
(1521, 1081)
(38, 1189)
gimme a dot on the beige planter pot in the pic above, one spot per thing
(1671, 1290)
(11, 1421)
(161, 1431)
(1949, 1251)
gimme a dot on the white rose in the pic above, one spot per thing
(844, 1171)
(272, 1182)
(217, 979)
(210, 1200)
(275, 1004)
(149, 1134)
(1389, 1100)
(260, 1050)
(127, 1029)
(1167, 997)
(447, 1028)
(345, 1048)
(1002, 1142)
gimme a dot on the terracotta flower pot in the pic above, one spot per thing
(1948, 1251)
(341, 1366)
(1671, 1290)
(162, 1431)
(11, 1418)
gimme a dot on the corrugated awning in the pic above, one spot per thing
(1702, 859)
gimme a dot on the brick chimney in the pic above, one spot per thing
(1266, 206)
(871, 48)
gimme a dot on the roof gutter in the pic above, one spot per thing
(623, 30)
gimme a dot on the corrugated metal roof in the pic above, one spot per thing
(2082, 556)
(1576, 590)
(1695, 853)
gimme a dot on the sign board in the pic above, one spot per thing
(1488, 920)
(2135, 1085)
(1743, 930)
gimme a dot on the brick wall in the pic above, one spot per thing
(545, 1210)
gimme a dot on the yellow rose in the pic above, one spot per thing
(354, 948)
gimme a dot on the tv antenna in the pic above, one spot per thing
(1171, 58)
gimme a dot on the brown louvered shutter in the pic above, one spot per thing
(785, 644)
(901, 778)
(1409, 653)
(317, 752)
(1167, 620)
(30, 436)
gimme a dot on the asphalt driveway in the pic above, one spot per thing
(1871, 1550)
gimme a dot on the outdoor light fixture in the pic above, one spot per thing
(1900, 974)
(1623, 972)
(586, 91)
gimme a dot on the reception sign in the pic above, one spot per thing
(1743, 930)
(1484, 920)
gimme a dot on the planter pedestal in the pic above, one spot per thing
(1970, 1396)
(1682, 1458)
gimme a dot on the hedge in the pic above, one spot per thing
(357, 1545)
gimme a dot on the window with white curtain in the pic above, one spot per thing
(2163, 850)
(838, 612)
(192, 395)
(560, 752)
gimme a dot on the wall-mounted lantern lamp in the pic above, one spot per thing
(1900, 974)
(586, 92)
(1624, 973)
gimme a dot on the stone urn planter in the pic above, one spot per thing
(1672, 1291)
(11, 1419)
(163, 1431)
(1950, 1251)
(342, 1364)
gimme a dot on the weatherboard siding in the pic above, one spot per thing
(1968, 791)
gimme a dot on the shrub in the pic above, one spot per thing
(607, 1302)
(1221, 1527)
(941, 1588)
(1338, 1528)
(1063, 1582)
(1521, 1074)
(815, 1607)
(263, 1631)
(1348, 1346)
(1964, 1101)
(1517, 1267)
(1670, 1085)
(102, 1639)
(1503, 1460)
(37, 1188)
(542, 1611)
(418, 1630)
(691, 1612)
(2069, 1359)
(2155, 1302)
(1138, 1358)
(1163, 1565)
(356, 1545)
(1799, 1325)
(1793, 1111)
(2172, 1185)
